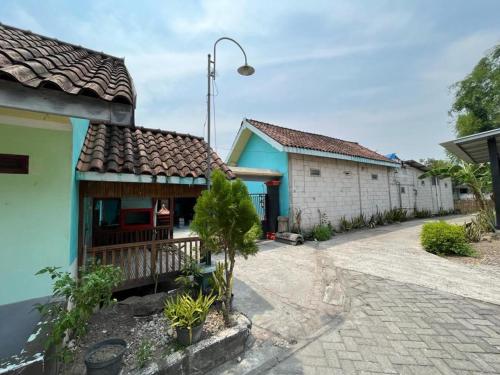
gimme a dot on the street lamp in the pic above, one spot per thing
(244, 70)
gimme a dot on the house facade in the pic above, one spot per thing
(49, 93)
(328, 176)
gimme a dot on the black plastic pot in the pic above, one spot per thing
(184, 338)
(110, 366)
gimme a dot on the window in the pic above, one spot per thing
(463, 191)
(445, 184)
(434, 179)
(315, 172)
(14, 164)
(347, 173)
(374, 176)
(403, 190)
(107, 212)
(422, 183)
(137, 218)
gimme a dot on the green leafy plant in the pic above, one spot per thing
(190, 273)
(144, 353)
(322, 232)
(482, 223)
(218, 282)
(422, 214)
(359, 222)
(345, 225)
(80, 296)
(443, 238)
(184, 311)
(378, 218)
(226, 221)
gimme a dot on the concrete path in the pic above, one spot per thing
(326, 308)
(394, 252)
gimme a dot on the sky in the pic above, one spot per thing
(375, 72)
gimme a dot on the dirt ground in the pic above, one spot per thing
(488, 253)
(154, 329)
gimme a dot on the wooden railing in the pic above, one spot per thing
(144, 262)
(120, 236)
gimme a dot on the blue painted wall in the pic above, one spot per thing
(80, 127)
(260, 154)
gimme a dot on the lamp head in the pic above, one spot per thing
(246, 70)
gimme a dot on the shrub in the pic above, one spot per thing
(322, 232)
(422, 214)
(144, 353)
(444, 238)
(344, 224)
(93, 289)
(482, 223)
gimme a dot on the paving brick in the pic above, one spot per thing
(403, 329)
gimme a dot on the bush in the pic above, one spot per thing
(444, 238)
(322, 232)
(93, 289)
(422, 214)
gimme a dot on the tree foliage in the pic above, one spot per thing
(477, 97)
(227, 222)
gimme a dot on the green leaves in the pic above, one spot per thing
(226, 220)
(186, 312)
(93, 289)
(441, 237)
(477, 98)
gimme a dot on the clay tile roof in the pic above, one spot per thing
(37, 61)
(142, 151)
(299, 139)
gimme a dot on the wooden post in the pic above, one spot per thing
(495, 174)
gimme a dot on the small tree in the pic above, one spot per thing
(226, 221)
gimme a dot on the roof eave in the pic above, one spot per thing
(135, 178)
(15, 95)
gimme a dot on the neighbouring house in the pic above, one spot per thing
(320, 175)
(78, 180)
(431, 193)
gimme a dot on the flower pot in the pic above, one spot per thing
(185, 339)
(105, 357)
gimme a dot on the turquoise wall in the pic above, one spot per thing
(260, 154)
(79, 130)
(35, 219)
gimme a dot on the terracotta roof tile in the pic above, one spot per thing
(299, 139)
(37, 61)
(142, 151)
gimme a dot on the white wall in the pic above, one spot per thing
(348, 189)
(344, 188)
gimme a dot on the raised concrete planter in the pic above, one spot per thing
(205, 355)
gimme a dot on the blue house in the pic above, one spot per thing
(318, 175)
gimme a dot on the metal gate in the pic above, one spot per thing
(260, 203)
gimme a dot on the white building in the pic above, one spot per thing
(324, 175)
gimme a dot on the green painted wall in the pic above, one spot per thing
(35, 211)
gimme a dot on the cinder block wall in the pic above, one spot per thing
(346, 188)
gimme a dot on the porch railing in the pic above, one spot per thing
(145, 262)
(112, 237)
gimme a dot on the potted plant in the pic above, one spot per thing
(187, 316)
(105, 357)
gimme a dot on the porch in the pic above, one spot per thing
(143, 228)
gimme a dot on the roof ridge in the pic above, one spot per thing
(301, 131)
(77, 46)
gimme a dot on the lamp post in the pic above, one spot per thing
(244, 70)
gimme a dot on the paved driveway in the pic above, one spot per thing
(370, 300)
